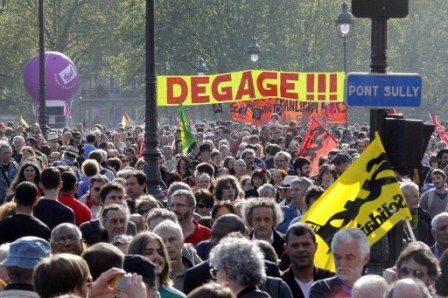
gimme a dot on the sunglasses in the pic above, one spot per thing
(414, 272)
(200, 206)
(96, 188)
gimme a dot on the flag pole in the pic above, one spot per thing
(410, 231)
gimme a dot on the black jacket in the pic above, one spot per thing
(200, 274)
(278, 243)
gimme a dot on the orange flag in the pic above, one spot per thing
(318, 142)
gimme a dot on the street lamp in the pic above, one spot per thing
(201, 67)
(42, 103)
(152, 152)
(344, 25)
(254, 50)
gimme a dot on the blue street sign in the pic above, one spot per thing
(383, 90)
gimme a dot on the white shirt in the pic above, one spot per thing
(305, 287)
(271, 238)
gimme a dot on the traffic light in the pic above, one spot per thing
(381, 9)
(405, 142)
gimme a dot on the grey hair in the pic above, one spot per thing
(241, 259)
(113, 207)
(124, 173)
(369, 285)
(160, 213)
(435, 221)
(409, 282)
(267, 190)
(176, 186)
(302, 181)
(407, 186)
(251, 204)
(4, 145)
(168, 225)
(191, 200)
(283, 153)
(347, 235)
(64, 225)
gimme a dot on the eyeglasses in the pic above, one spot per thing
(214, 273)
(414, 272)
(66, 241)
(280, 160)
(173, 205)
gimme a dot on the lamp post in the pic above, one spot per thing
(344, 26)
(254, 51)
(42, 104)
(152, 152)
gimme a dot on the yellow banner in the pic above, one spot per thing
(250, 85)
(366, 196)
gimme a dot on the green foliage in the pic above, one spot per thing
(298, 35)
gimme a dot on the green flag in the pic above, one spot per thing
(186, 136)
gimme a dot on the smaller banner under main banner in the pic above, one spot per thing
(311, 87)
(259, 112)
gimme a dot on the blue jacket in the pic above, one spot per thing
(6, 178)
(289, 213)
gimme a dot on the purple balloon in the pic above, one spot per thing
(61, 77)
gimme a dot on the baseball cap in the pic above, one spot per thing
(142, 266)
(287, 180)
(26, 252)
(341, 157)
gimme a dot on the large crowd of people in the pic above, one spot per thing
(76, 219)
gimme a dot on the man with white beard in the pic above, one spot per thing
(351, 252)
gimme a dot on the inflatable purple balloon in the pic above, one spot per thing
(61, 77)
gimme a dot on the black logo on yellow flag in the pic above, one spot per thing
(366, 196)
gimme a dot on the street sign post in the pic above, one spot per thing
(383, 90)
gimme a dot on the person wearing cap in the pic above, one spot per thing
(341, 162)
(284, 190)
(8, 169)
(24, 254)
(69, 156)
(297, 206)
(52, 139)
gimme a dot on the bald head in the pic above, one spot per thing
(369, 286)
(408, 288)
(225, 225)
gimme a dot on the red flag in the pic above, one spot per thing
(318, 142)
(439, 128)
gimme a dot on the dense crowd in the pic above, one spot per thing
(76, 219)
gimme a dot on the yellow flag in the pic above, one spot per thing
(23, 122)
(366, 196)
